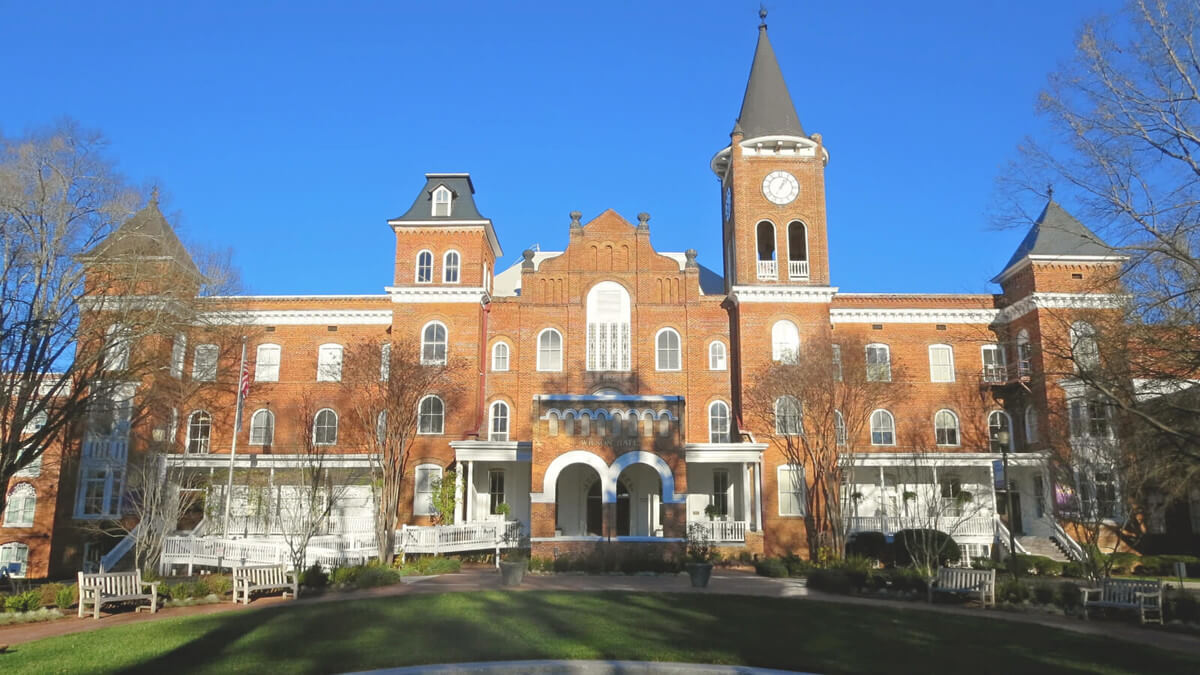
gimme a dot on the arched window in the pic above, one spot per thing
(450, 267)
(262, 427)
(608, 341)
(787, 416)
(716, 355)
(667, 350)
(425, 267)
(329, 363)
(442, 199)
(266, 363)
(1084, 350)
(883, 428)
(14, 555)
(325, 427)
(879, 363)
(499, 422)
(549, 355)
(797, 250)
(433, 343)
(1024, 354)
(35, 421)
(945, 427)
(199, 431)
(22, 500)
(999, 431)
(941, 363)
(718, 422)
(839, 427)
(765, 234)
(431, 415)
(1031, 425)
(785, 342)
(500, 357)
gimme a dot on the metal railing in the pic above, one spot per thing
(995, 374)
(797, 269)
(1073, 549)
(1003, 536)
(768, 269)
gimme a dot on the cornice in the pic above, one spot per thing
(1060, 301)
(913, 315)
(813, 294)
(297, 317)
(433, 294)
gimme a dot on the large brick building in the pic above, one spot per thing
(602, 388)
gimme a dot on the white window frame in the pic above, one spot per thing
(837, 363)
(659, 348)
(796, 490)
(1007, 418)
(957, 427)
(785, 341)
(317, 426)
(891, 423)
(437, 425)
(10, 552)
(948, 368)
(426, 343)
(884, 367)
(841, 436)
(1085, 349)
(423, 493)
(264, 369)
(997, 362)
(423, 273)
(447, 267)
(266, 436)
(719, 432)
(178, 355)
(1031, 424)
(1024, 354)
(544, 354)
(111, 480)
(718, 356)
(207, 442)
(609, 339)
(785, 428)
(117, 341)
(329, 362)
(385, 361)
(500, 360)
(442, 197)
(204, 362)
(499, 427)
(20, 516)
(495, 498)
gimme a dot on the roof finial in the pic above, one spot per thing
(1050, 191)
(154, 196)
(762, 15)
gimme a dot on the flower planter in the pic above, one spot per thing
(700, 574)
(513, 573)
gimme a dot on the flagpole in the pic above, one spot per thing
(237, 425)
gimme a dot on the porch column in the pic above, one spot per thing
(883, 514)
(468, 511)
(758, 494)
(746, 490)
(459, 497)
(937, 494)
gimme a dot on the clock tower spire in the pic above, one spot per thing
(772, 185)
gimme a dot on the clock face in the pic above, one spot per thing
(780, 187)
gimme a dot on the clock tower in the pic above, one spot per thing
(772, 187)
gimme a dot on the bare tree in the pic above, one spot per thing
(386, 384)
(816, 406)
(157, 496)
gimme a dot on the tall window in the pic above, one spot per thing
(608, 341)
(720, 492)
(667, 348)
(883, 428)
(499, 422)
(204, 363)
(718, 422)
(797, 250)
(329, 363)
(941, 363)
(945, 427)
(16, 555)
(266, 363)
(879, 363)
(549, 355)
(450, 267)
(787, 416)
(791, 489)
(785, 342)
(385, 361)
(22, 500)
(199, 431)
(262, 428)
(178, 354)
(993, 364)
(431, 415)
(1024, 354)
(433, 343)
(495, 490)
(427, 475)
(839, 427)
(1084, 350)
(500, 357)
(999, 431)
(116, 345)
(767, 267)
(1031, 425)
(441, 201)
(716, 355)
(837, 363)
(325, 427)
(425, 267)
(1089, 417)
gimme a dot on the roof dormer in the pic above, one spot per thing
(443, 202)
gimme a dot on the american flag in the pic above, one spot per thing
(243, 389)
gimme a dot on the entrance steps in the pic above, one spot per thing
(1043, 546)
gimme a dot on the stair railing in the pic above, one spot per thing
(1072, 548)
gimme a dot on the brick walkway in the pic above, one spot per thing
(726, 582)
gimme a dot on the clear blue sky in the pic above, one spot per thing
(292, 131)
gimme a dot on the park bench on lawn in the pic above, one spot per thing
(252, 578)
(102, 588)
(965, 582)
(1144, 595)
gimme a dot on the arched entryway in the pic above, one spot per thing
(639, 499)
(579, 501)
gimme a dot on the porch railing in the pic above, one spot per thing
(995, 374)
(462, 537)
(1003, 536)
(797, 269)
(768, 269)
(106, 447)
(1074, 550)
(722, 530)
(977, 526)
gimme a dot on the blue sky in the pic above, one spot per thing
(293, 131)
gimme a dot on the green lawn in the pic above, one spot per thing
(446, 627)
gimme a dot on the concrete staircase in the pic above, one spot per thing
(1043, 546)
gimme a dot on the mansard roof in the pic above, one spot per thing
(767, 108)
(147, 234)
(1057, 234)
(462, 206)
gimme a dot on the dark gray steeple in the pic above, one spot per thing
(146, 235)
(462, 200)
(767, 108)
(1057, 233)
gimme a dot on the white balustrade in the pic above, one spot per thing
(995, 374)
(722, 530)
(768, 269)
(106, 447)
(976, 525)
(797, 269)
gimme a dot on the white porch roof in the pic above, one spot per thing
(492, 451)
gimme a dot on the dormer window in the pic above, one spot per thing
(441, 201)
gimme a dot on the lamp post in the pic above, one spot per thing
(1002, 438)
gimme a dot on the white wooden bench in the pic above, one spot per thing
(965, 581)
(252, 578)
(1144, 595)
(104, 587)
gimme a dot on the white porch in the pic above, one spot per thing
(725, 489)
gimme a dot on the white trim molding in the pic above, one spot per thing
(297, 317)
(1060, 301)
(255, 460)
(492, 451)
(888, 459)
(781, 293)
(913, 315)
(707, 453)
(432, 294)
(1029, 259)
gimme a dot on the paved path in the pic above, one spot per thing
(724, 582)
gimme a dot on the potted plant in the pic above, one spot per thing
(515, 560)
(699, 555)
(504, 510)
(964, 497)
(909, 495)
(712, 511)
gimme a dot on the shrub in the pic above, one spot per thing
(1012, 591)
(908, 540)
(1044, 593)
(37, 615)
(1074, 569)
(49, 592)
(374, 575)
(1182, 606)
(771, 567)
(1164, 565)
(314, 577)
(907, 579)
(1068, 596)
(1123, 563)
(218, 584)
(1040, 565)
(24, 602)
(439, 565)
(986, 564)
(830, 581)
(66, 597)
(796, 566)
(873, 545)
(344, 577)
